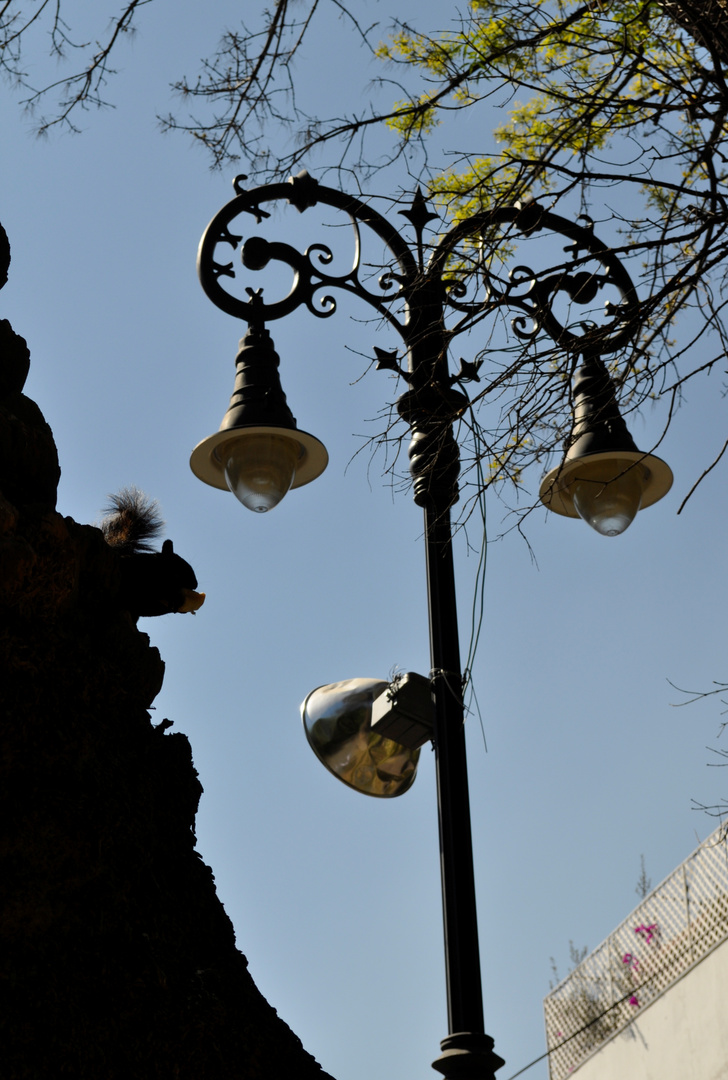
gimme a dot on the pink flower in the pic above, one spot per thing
(634, 1000)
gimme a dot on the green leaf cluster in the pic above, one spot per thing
(587, 83)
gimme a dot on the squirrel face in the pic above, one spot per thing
(159, 583)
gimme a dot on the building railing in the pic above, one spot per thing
(674, 927)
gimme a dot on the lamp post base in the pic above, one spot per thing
(468, 1056)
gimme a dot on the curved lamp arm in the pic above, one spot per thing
(310, 274)
(426, 288)
(572, 277)
(424, 285)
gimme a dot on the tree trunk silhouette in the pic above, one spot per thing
(117, 958)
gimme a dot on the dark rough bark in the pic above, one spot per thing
(117, 960)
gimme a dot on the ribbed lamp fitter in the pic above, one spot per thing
(259, 454)
(604, 479)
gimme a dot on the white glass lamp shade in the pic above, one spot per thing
(337, 721)
(606, 489)
(608, 502)
(259, 464)
(259, 470)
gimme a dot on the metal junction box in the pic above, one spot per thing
(404, 712)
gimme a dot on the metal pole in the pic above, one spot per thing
(462, 957)
(467, 1051)
(429, 409)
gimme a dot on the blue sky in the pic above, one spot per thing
(589, 764)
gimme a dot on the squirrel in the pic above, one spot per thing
(152, 582)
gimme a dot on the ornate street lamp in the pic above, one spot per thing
(259, 454)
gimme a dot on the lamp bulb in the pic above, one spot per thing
(608, 494)
(259, 469)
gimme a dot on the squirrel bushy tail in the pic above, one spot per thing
(151, 582)
(132, 521)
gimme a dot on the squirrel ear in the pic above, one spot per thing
(167, 548)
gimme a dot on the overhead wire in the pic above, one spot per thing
(477, 613)
(580, 1031)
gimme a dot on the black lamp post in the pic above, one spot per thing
(259, 453)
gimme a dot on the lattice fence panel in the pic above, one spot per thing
(672, 929)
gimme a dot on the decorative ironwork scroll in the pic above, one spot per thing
(423, 285)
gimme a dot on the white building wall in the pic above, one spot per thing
(651, 1002)
(682, 1035)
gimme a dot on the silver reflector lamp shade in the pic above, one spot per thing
(337, 719)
